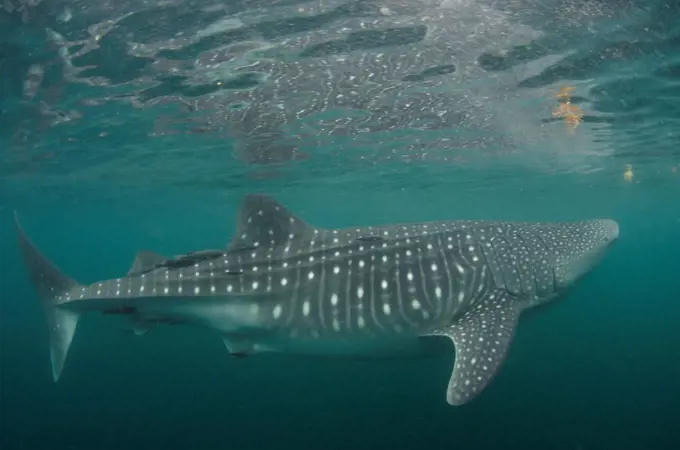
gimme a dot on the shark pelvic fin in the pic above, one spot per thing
(53, 288)
(262, 220)
(145, 261)
(482, 337)
(139, 327)
(238, 347)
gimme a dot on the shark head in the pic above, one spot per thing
(579, 246)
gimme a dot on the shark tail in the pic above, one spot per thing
(52, 286)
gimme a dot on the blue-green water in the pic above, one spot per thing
(598, 370)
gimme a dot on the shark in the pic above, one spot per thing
(283, 285)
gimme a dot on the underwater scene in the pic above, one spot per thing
(340, 224)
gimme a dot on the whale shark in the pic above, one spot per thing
(283, 285)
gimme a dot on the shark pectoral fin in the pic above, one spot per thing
(262, 220)
(145, 261)
(482, 338)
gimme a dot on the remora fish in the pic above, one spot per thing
(283, 285)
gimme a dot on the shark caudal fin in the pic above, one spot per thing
(52, 287)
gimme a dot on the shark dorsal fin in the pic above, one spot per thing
(263, 221)
(145, 261)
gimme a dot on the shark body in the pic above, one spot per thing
(283, 285)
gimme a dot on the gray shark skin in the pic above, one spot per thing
(283, 285)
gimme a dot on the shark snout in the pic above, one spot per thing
(610, 230)
(590, 241)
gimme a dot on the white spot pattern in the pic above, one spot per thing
(395, 279)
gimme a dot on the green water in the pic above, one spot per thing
(596, 371)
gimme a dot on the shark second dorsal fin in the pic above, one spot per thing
(482, 337)
(263, 221)
(145, 261)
